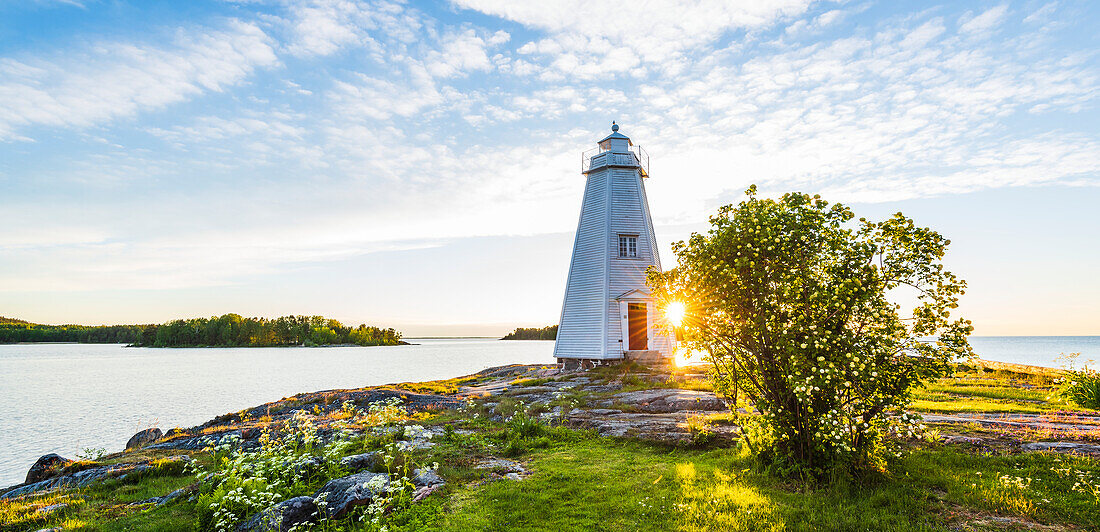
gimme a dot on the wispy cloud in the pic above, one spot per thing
(359, 127)
(116, 79)
(323, 27)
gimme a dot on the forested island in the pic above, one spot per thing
(14, 330)
(229, 330)
(550, 332)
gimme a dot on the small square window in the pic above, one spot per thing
(628, 245)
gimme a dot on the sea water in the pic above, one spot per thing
(61, 398)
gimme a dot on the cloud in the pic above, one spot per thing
(323, 27)
(115, 79)
(984, 22)
(389, 127)
(461, 53)
(590, 39)
(381, 99)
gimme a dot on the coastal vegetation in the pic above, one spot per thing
(14, 330)
(550, 332)
(232, 330)
(945, 477)
(791, 302)
(228, 330)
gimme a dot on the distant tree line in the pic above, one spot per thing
(229, 330)
(13, 330)
(550, 332)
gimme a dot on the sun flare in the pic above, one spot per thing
(674, 313)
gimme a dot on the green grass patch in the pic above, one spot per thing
(106, 506)
(583, 482)
(600, 484)
(991, 391)
(530, 382)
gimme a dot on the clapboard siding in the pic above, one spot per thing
(614, 203)
(581, 326)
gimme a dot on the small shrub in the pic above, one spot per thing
(523, 426)
(91, 454)
(1082, 388)
(700, 431)
(522, 433)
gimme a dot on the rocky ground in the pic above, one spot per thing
(670, 407)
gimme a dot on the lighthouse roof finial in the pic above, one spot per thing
(616, 135)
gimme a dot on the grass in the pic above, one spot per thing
(447, 386)
(600, 484)
(106, 505)
(975, 390)
(584, 482)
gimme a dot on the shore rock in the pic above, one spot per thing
(45, 467)
(47, 510)
(282, 517)
(144, 438)
(666, 400)
(426, 477)
(502, 466)
(165, 499)
(340, 495)
(1061, 446)
(359, 462)
(85, 477)
(422, 492)
(309, 466)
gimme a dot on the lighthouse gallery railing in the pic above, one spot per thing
(597, 158)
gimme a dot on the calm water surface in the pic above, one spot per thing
(64, 397)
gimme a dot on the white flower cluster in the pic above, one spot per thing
(384, 412)
(417, 432)
(1009, 481)
(1086, 482)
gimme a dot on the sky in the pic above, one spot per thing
(417, 165)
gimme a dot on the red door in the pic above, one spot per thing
(636, 321)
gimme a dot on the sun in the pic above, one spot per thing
(674, 313)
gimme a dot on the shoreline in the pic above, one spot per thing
(573, 421)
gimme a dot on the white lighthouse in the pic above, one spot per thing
(608, 313)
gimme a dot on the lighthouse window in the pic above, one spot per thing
(628, 245)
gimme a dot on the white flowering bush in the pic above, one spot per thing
(1081, 386)
(790, 299)
(243, 482)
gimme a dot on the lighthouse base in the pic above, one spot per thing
(650, 358)
(574, 364)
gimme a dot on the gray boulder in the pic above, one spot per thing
(282, 517)
(165, 499)
(144, 438)
(426, 477)
(47, 466)
(1063, 446)
(47, 510)
(86, 477)
(359, 462)
(501, 466)
(337, 497)
(309, 466)
(664, 401)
